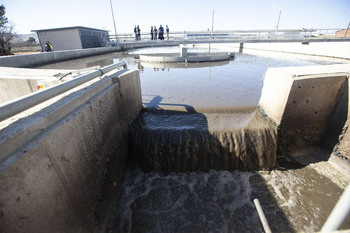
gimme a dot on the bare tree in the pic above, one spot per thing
(7, 36)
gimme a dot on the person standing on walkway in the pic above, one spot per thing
(48, 46)
(135, 32)
(161, 32)
(151, 32)
(154, 33)
(138, 32)
(167, 32)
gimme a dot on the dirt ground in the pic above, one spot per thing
(23, 53)
(26, 50)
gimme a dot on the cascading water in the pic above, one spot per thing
(166, 141)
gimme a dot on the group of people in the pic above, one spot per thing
(160, 32)
(155, 33)
(137, 32)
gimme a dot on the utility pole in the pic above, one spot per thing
(212, 24)
(115, 29)
(278, 20)
(212, 27)
(346, 31)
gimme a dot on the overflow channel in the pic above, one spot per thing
(202, 149)
(203, 118)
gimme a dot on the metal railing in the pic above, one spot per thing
(239, 35)
(16, 106)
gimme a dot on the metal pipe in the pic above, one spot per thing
(339, 213)
(16, 106)
(262, 216)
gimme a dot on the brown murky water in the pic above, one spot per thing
(293, 199)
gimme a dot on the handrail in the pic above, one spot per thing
(262, 33)
(16, 106)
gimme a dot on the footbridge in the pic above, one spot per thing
(304, 36)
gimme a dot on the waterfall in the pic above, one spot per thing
(173, 141)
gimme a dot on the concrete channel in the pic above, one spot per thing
(64, 159)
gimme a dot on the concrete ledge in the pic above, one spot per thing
(71, 157)
(301, 100)
(176, 58)
(32, 60)
(17, 82)
(183, 65)
(320, 49)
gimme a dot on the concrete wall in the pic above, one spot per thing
(65, 39)
(32, 60)
(194, 58)
(302, 101)
(15, 83)
(341, 149)
(62, 165)
(329, 49)
(14, 88)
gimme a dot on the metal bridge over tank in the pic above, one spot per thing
(239, 36)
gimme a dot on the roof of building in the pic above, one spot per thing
(75, 27)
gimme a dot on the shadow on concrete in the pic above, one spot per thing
(338, 118)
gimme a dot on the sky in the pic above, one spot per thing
(180, 15)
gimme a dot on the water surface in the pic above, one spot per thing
(207, 87)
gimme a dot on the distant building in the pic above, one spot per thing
(341, 33)
(73, 38)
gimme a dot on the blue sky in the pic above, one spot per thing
(178, 14)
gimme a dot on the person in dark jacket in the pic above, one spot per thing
(161, 32)
(48, 46)
(151, 32)
(135, 31)
(155, 33)
(138, 32)
(167, 31)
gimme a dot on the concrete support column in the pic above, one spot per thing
(183, 51)
(241, 47)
